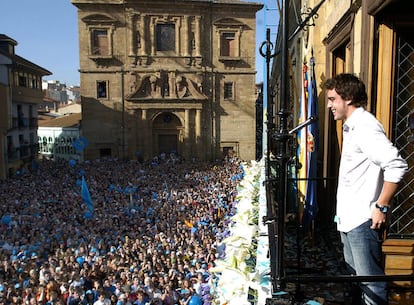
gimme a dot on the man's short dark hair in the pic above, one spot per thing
(348, 87)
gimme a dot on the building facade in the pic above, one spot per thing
(20, 93)
(59, 138)
(167, 76)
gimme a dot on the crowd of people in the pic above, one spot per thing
(151, 236)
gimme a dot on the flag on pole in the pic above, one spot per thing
(86, 196)
(302, 140)
(312, 146)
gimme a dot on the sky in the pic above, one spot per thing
(47, 34)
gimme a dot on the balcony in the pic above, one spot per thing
(23, 123)
(27, 95)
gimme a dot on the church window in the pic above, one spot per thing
(102, 89)
(166, 37)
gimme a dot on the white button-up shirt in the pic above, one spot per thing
(368, 159)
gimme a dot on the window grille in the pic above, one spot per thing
(402, 216)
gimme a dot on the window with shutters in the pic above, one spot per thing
(229, 35)
(228, 44)
(100, 44)
(101, 28)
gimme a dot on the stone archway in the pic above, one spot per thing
(167, 133)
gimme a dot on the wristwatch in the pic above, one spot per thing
(382, 208)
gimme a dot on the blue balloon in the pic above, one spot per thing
(6, 219)
(72, 162)
(80, 260)
(84, 141)
(80, 144)
(195, 300)
(87, 215)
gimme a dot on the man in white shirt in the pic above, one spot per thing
(102, 299)
(369, 173)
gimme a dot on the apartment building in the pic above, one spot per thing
(20, 93)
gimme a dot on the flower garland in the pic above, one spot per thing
(241, 276)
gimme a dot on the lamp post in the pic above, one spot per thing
(270, 217)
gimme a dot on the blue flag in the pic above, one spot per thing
(312, 143)
(86, 197)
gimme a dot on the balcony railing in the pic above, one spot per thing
(20, 122)
(23, 122)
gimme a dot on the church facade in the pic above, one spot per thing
(168, 77)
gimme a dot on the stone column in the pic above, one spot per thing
(146, 132)
(197, 35)
(131, 33)
(152, 36)
(186, 36)
(187, 140)
(178, 37)
(198, 140)
(143, 37)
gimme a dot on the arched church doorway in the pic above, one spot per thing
(167, 133)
